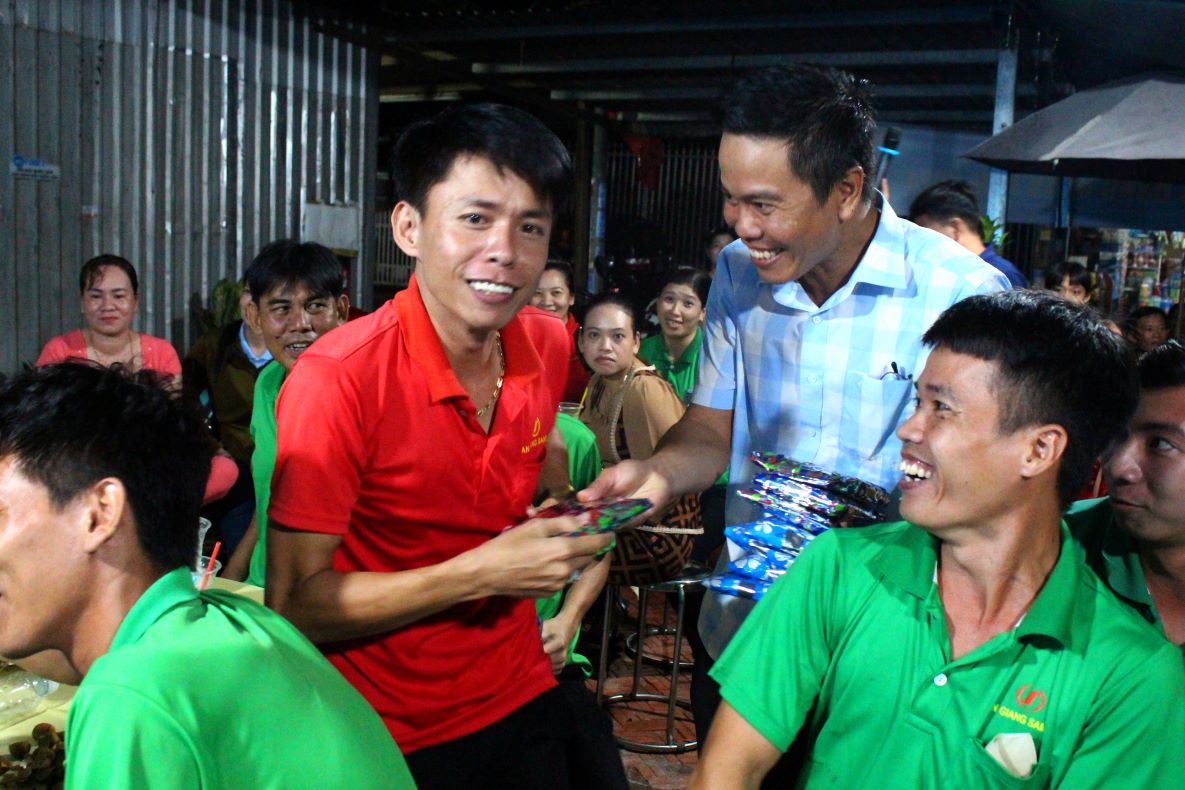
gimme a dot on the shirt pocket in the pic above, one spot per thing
(872, 409)
(981, 770)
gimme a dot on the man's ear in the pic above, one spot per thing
(405, 226)
(1045, 448)
(252, 316)
(850, 193)
(105, 510)
(342, 305)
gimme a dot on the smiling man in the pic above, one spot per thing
(295, 294)
(970, 645)
(101, 476)
(1135, 539)
(815, 317)
(410, 439)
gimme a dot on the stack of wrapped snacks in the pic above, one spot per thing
(798, 502)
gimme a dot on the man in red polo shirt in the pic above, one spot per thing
(410, 439)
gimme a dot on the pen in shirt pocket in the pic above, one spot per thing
(892, 371)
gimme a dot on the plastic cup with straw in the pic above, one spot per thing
(210, 566)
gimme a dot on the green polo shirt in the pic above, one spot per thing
(852, 642)
(584, 464)
(212, 690)
(1111, 553)
(263, 462)
(680, 372)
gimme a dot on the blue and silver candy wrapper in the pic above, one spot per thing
(738, 586)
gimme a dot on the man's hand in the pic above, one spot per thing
(630, 479)
(557, 636)
(536, 558)
(532, 560)
(688, 459)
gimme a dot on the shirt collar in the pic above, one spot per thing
(522, 361)
(1053, 611)
(173, 589)
(1124, 573)
(690, 355)
(882, 265)
(909, 562)
(257, 361)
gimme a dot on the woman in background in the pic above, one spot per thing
(110, 293)
(556, 295)
(674, 351)
(629, 407)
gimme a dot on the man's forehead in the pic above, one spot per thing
(467, 175)
(297, 290)
(1161, 407)
(951, 371)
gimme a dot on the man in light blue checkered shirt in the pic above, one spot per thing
(815, 318)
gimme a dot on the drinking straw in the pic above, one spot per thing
(210, 565)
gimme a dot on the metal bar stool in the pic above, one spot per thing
(678, 586)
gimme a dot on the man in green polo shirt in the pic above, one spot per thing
(1135, 539)
(296, 296)
(101, 478)
(965, 646)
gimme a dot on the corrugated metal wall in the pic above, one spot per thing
(686, 204)
(187, 134)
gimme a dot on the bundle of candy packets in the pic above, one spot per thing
(798, 502)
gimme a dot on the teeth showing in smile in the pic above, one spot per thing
(485, 286)
(914, 469)
(761, 256)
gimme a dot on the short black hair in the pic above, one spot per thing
(1131, 325)
(1144, 312)
(1163, 366)
(947, 200)
(1077, 273)
(509, 138)
(694, 278)
(68, 426)
(823, 114)
(288, 262)
(564, 268)
(93, 269)
(614, 300)
(1057, 362)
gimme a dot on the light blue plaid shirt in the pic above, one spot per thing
(829, 383)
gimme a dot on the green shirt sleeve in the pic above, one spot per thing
(263, 462)
(1135, 733)
(117, 738)
(773, 670)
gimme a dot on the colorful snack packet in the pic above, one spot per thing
(861, 495)
(769, 534)
(739, 586)
(602, 516)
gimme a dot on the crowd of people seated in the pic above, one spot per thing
(383, 480)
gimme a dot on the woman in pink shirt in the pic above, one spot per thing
(110, 293)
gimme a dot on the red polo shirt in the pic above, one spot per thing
(377, 442)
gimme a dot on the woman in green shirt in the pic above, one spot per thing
(674, 352)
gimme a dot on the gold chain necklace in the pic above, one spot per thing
(501, 375)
